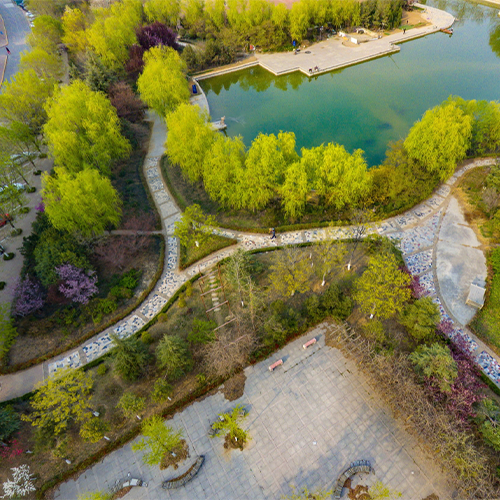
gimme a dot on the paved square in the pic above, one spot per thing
(308, 420)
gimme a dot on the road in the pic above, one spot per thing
(17, 27)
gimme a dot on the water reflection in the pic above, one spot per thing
(495, 40)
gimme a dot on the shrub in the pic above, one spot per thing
(161, 391)
(130, 356)
(146, 338)
(8, 256)
(421, 318)
(374, 330)
(7, 332)
(100, 307)
(131, 405)
(202, 332)
(174, 357)
(94, 429)
(77, 285)
(16, 232)
(9, 423)
(102, 369)
(336, 303)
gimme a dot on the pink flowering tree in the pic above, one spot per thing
(29, 297)
(76, 284)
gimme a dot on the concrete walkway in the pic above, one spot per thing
(416, 232)
(307, 421)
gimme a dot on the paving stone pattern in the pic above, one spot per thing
(416, 232)
(308, 420)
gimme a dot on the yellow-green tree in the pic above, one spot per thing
(440, 139)
(162, 11)
(61, 399)
(113, 32)
(162, 85)
(44, 64)
(223, 171)
(84, 203)
(75, 23)
(294, 190)
(45, 34)
(382, 290)
(83, 129)
(342, 178)
(329, 254)
(290, 272)
(189, 139)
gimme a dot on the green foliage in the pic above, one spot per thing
(202, 332)
(294, 190)
(46, 32)
(229, 424)
(96, 495)
(374, 330)
(421, 318)
(8, 333)
(75, 23)
(60, 399)
(43, 63)
(440, 139)
(489, 416)
(336, 303)
(98, 77)
(382, 289)
(130, 357)
(189, 140)
(162, 84)
(435, 361)
(102, 369)
(131, 404)
(159, 440)
(94, 429)
(290, 272)
(113, 32)
(305, 494)
(99, 308)
(146, 338)
(329, 255)
(83, 129)
(84, 204)
(9, 423)
(173, 356)
(194, 227)
(164, 12)
(161, 391)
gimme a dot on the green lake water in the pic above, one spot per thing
(367, 105)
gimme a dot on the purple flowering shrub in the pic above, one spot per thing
(156, 34)
(76, 284)
(28, 297)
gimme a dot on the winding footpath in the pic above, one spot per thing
(436, 242)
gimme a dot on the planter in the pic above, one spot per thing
(16, 232)
(2, 285)
(31, 189)
(37, 172)
(8, 256)
(24, 210)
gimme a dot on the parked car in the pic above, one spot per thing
(4, 219)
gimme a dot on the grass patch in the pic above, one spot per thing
(189, 256)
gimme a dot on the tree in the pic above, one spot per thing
(294, 190)
(12, 199)
(97, 76)
(290, 272)
(159, 440)
(162, 85)
(165, 12)
(237, 272)
(360, 223)
(85, 204)
(22, 483)
(17, 138)
(382, 289)
(342, 178)
(489, 414)
(440, 139)
(173, 356)
(131, 405)
(329, 254)
(230, 424)
(77, 285)
(83, 130)
(435, 362)
(189, 140)
(9, 423)
(127, 104)
(93, 430)
(156, 34)
(44, 64)
(202, 332)
(113, 32)
(130, 356)
(421, 318)
(46, 33)
(60, 399)
(194, 227)
(23, 98)
(75, 24)
(223, 170)
(161, 391)
(28, 297)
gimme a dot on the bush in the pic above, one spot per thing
(421, 318)
(174, 357)
(374, 330)
(102, 369)
(16, 232)
(93, 430)
(24, 210)
(2, 285)
(8, 256)
(28, 297)
(131, 405)
(131, 357)
(161, 391)
(31, 189)
(146, 338)
(100, 307)
(37, 172)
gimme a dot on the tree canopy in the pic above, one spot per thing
(162, 84)
(421, 318)
(83, 129)
(85, 203)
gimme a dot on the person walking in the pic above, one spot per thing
(273, 233)
(8, 51)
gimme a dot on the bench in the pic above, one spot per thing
(309, 343)
(275, 365)
(357, 467)
(177, 482)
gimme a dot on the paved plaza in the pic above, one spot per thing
(307, 420)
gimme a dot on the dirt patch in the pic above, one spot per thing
(121, 493)
(234, 387)
(232, 444)
(181, 453)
